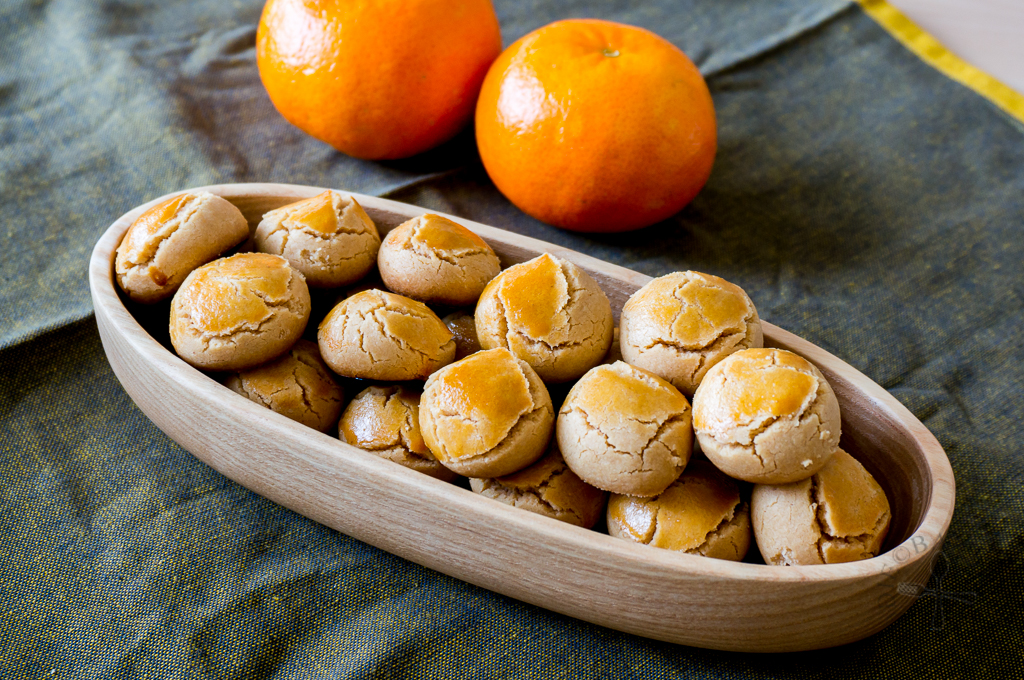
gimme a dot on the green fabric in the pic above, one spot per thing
(865, 201)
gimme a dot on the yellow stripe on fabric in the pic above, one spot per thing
(933, 53)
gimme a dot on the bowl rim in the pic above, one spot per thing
(929, 532)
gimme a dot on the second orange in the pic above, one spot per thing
(596, 126)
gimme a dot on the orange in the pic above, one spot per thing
(596, 126)
(376, 78)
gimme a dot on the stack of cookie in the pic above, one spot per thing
(470, 394)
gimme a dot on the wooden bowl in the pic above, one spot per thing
(655, 593)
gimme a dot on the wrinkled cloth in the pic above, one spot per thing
(864, 200)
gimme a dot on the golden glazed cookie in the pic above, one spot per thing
(329, 238)
(486, 416)
(385, 421)
(298, 385)
(171, 239)
(434, 259)
(549, 313)
(549, 488)
(238, 312)
(700, 513)
(680, 325)
(840, 514)
(766, 416)
(625, 430)
(463, 329)
(376, 335)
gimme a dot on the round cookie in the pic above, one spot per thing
(680, 325)
(486, 416)
(329, 238)
(625, 430)
(840, 514)
(549, 488)
(376, 335)
(298, 385)
(238, 312)
(385, 421)
(171, 239)
(434, 259)
(766, 416)
(549, 313)
(700, 513)
(463, 329)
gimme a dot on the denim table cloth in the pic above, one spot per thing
(865, 199)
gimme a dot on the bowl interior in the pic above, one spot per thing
(872, 435)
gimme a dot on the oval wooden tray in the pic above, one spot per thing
(655, 593)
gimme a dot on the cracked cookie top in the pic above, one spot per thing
(329, 238)
(487, 415)
(680, 325)
(238, 312)
(434, 259)
(766, 416)
(377, 335)
(171, 239)
(839, 514)
(549, 488)
(549, 313)
(625, 430)
(385, 421)
(700, 513)
(298, 385)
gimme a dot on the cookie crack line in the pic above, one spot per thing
(284, 237)
(521, 422)
(656, 437)
(319, 235)
(274, 303)
(409, 426)
(519, 494)
(458, 416)
(611, 447)
(722, 525)
(333, 262)
(252, 395)
(362, 342)
(452, 257)
(819, 516)
(798, 369)
(392, 309)
(552, 347)
(207, 337)
(302, 390)
(504, 330)
(191, 207)
(711, 345)
(856, 538)
(543, 486)
(647, 539)
(684, 304)
(398, 446)
(752, 446)
(402, 342)
(563, 269)
(357, 321)
(313, 365)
